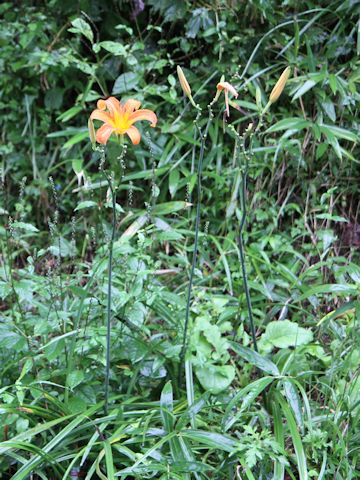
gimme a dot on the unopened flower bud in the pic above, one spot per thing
(92, 134)
(279, 86)
(183, 82)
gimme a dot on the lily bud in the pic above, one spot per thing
(258, 98)
(279, 86)
(183, 82)
(92, 134)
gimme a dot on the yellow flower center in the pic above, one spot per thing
(122, 123)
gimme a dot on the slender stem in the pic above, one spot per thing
(241, 229)
(242, 257)
(108, 310)
(188, 370)
(194, 257)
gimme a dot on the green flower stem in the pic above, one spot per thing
(188, 364)
(109, 295)
(109, 292)
(242, 254)
(240, 240)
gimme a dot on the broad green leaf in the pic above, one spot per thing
(75, 378)
(86, 204)
(125, 82)
(79, 25)
(27, 227)
(284, 334)
(115, 48)
(215, 378)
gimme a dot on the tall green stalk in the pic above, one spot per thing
(242, 253)
(188, 364)
(240, 240)
(109, 291)
(110, 262)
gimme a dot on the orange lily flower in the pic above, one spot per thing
(119, 118)
(227, 87)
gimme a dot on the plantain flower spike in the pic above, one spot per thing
(279, 86)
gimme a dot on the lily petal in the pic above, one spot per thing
(102, 116)
(101, 104)
(143, 114)
(227, 87)
(134, 135)
(103, 134)
(114, 106)
(131, 105)
(227, 109)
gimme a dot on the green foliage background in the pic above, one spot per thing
(290, 411)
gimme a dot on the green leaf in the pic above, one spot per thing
(109, 461)
(69, 114)
(115, 48)
(25, 226)
(86, 204)
(76, 139)
(339, 132)
(213, 440)
(35, 460)
(125, 82)
(166, 407)
(80, 26)
(308, 85)
(247, 396)
(293, 123)
(173, 181)
(215, 378)
(296, 439)
(75, 378)
(254, 358)
(329, 288)
(169, 207)
(279, 469)
(284, 334)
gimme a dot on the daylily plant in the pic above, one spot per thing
(119, 118)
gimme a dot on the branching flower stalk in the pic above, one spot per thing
(203, 136)
(247, 154)
(188, 365)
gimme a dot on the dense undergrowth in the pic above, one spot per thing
(290, 409)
